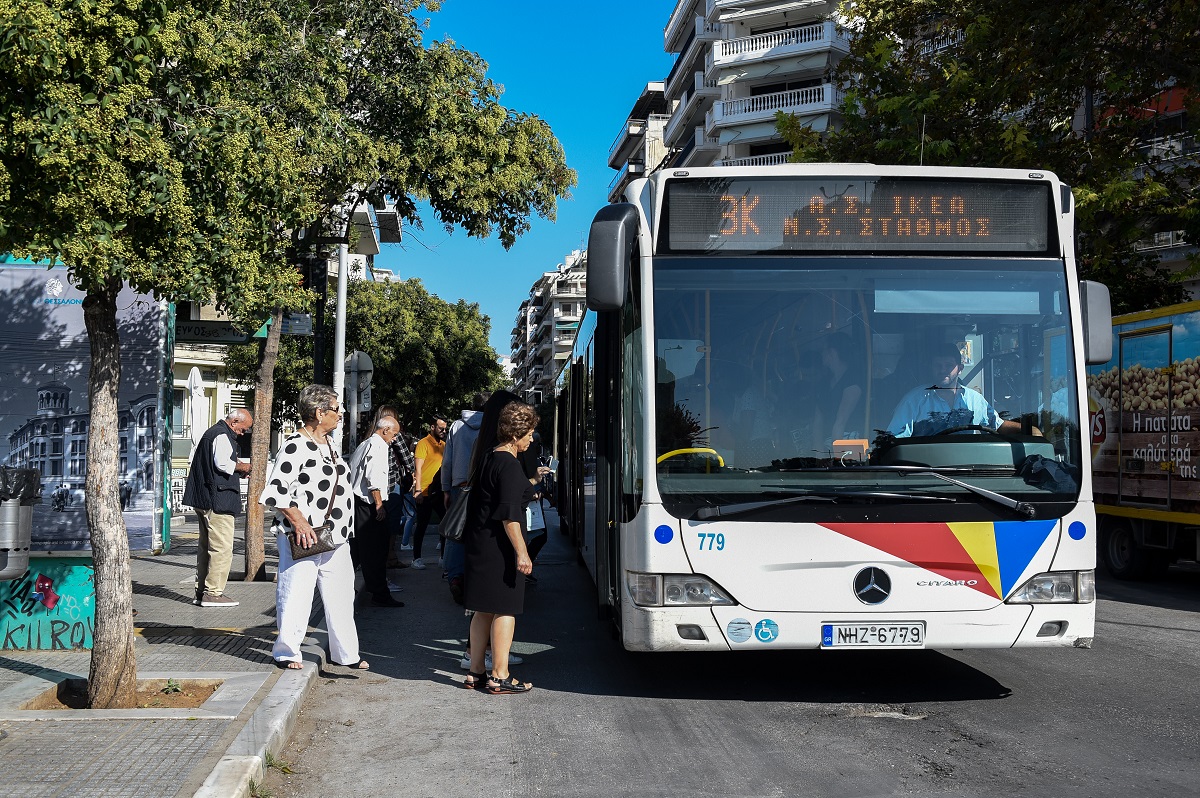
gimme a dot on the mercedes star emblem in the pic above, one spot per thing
(872, 586)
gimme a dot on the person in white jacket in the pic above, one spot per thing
(369, 480)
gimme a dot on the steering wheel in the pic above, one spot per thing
(692, 450)
(971, 428)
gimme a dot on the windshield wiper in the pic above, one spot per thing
(726, 510)
(1025, 508)
(741, 508)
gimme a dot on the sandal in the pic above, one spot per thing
(505, 686)
(361, 665)
(288, 664)
(475, 681)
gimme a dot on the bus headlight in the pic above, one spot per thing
(1057, 587)
(674, 590)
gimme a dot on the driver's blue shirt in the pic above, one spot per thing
(925, 411)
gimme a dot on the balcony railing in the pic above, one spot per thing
(632, 127)
(774, 159)
(778, 44)
(701, 88)
(813, 100)
(942, 42)
(683, 10)
(1169, 148)
(704, 33)
(1163, 240)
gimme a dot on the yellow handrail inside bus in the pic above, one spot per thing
(677, 452)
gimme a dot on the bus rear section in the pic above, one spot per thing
(835, 407)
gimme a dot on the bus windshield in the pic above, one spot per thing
(861, 388)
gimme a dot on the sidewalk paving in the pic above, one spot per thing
(210, 752)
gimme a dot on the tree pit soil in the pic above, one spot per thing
(151, 694)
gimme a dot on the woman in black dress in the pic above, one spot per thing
(496, 558)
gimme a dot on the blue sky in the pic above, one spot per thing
(578, 66)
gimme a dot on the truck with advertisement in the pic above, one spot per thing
(1145, 419)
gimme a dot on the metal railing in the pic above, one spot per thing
(821, 32)
(1169, 148)
(774, 159)
(823, 97)
(627, 130)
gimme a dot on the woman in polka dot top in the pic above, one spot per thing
(310, 484)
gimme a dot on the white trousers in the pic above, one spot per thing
(333, 572)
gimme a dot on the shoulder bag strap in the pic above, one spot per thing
(336, 477)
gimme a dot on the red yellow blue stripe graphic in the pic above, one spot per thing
(992, 554)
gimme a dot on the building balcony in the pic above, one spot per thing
(1169, 148)
(1164, 240)
(813, 101)
(626, 143)
(742, 10)
(631, 171)
(677, 24)
(765, 47)
(774, 159)
(692, 54)
(692, 103)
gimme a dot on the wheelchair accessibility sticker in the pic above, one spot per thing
(766, 631)
(738, 630)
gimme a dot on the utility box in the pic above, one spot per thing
(20, 489)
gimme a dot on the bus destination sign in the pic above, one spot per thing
(771, 215)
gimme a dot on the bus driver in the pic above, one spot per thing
(945, 404)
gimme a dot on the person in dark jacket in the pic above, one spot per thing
(213, 490)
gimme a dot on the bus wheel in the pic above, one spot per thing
(1123, 556)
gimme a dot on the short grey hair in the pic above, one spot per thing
(238, 414)
(386, 423)
(313, 398)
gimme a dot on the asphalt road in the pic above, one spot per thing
(1117, 720)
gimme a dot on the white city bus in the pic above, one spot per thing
(761, 438)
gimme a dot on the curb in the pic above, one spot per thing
(266, 732)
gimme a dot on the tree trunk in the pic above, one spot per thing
(260, 449)
(112, 678)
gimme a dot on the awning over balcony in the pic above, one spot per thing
(762, 69)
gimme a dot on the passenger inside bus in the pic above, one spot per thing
(941, 404)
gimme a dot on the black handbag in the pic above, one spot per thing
(325, 541)
(454, 522)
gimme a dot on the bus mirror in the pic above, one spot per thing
(1097, 322)
(610, 244)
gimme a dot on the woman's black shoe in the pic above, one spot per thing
(385, 601)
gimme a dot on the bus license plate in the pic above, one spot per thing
(873, 635)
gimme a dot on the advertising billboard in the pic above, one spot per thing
(44, 406)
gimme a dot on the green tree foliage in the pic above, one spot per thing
(383, 115)
(124, 156)
(430, 356)
(378, 114)
(1073, 87)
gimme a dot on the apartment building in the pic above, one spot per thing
(640, 145)
(737, 64)
(544, 330)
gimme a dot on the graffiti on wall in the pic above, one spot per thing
(51, 608)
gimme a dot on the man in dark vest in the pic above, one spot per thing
(213, 489)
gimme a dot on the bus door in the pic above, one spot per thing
(605, 434)
(1145, 422)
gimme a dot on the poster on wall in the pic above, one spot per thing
(44, 407)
